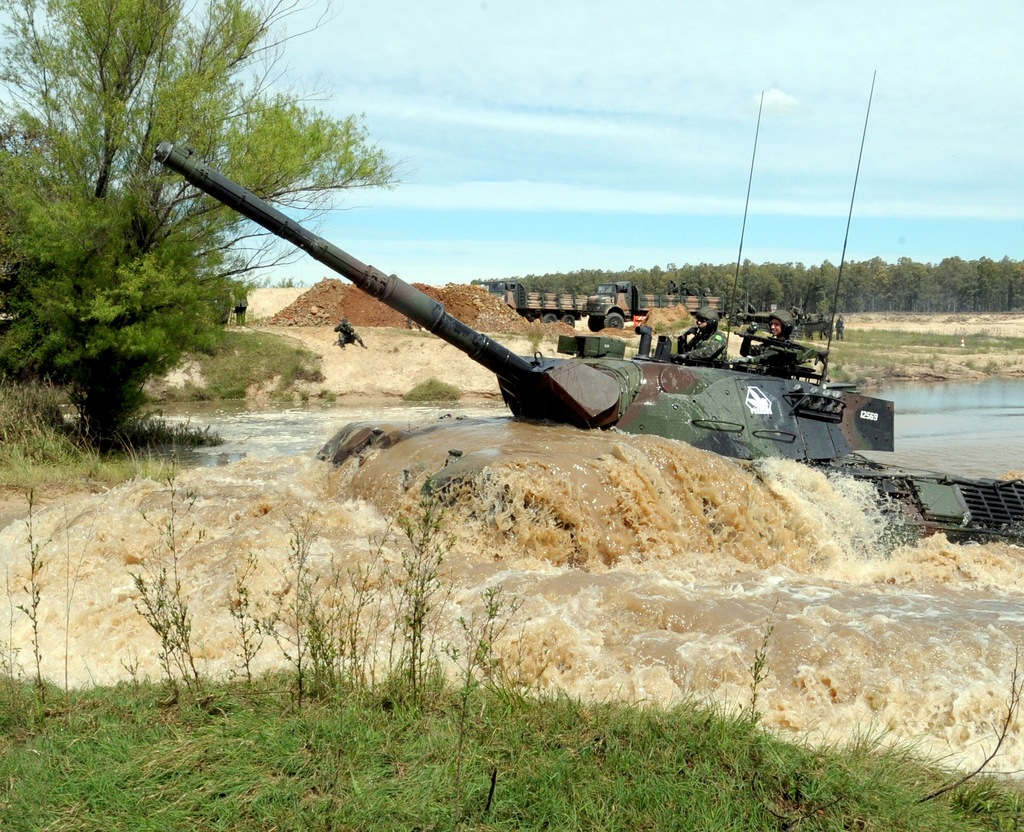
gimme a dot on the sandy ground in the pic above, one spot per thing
(394, 361)
(1003, 324)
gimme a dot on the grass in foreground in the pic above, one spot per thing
(246, 758)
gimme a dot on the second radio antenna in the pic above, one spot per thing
(739, 257)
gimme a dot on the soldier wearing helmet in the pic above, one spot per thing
(781, 324)
(347, 334)
(702, 342)
(776, 353)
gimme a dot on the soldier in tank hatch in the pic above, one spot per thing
(347, 334)
(777, 351)
(702, 342)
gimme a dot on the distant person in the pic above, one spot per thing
(240, 308)
(347, 335)
(840, 323)
(672, 289)
(702, 342)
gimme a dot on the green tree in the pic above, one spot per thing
(957, 279)
(111, 267)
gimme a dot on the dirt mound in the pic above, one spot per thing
(670, 316)
(330, 300)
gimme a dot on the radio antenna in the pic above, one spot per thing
(743, 229)
(849, 219)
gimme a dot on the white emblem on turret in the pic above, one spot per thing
(758, 402)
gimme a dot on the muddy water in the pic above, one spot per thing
(647, 571)
(971, 428)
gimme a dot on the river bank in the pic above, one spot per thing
(951, 347)
(910, 348)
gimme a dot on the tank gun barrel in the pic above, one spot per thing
(571, 392)
(389, 289)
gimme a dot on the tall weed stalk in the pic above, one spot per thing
(296, 623)
(246, 613)
(421, 593)
(12, 712)
(760, 669)
(362, 618)
(33, 588)
(162, 600)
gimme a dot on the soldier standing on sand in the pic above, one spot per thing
(347, 335)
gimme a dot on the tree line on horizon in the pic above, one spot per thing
(951, 286)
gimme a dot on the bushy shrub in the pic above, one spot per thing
(433, 390)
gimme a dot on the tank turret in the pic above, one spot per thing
(738, 412)
(747, 408)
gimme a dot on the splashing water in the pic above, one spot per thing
(648, 572)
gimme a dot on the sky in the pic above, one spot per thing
(542, 136)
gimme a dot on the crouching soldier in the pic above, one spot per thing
(347, 335)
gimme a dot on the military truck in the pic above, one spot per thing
(547, 307)
(612, 304)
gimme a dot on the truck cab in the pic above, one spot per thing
(610, 306)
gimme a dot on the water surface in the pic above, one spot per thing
(648, 571)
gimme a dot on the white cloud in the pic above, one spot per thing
(778, 103)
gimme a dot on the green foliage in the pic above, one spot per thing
(433, 390)
(246, 759)
(954, 285)
(39, 445)
(112, 268)
(244, 359)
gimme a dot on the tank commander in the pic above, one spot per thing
(702, 342)
(347, 335)
(776, 353)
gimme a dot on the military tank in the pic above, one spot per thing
(746, 411)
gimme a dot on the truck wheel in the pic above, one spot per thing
(550, 318)
(595, 323)
(569, 320)
(614, 321)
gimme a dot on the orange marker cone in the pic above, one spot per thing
(962, 344)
